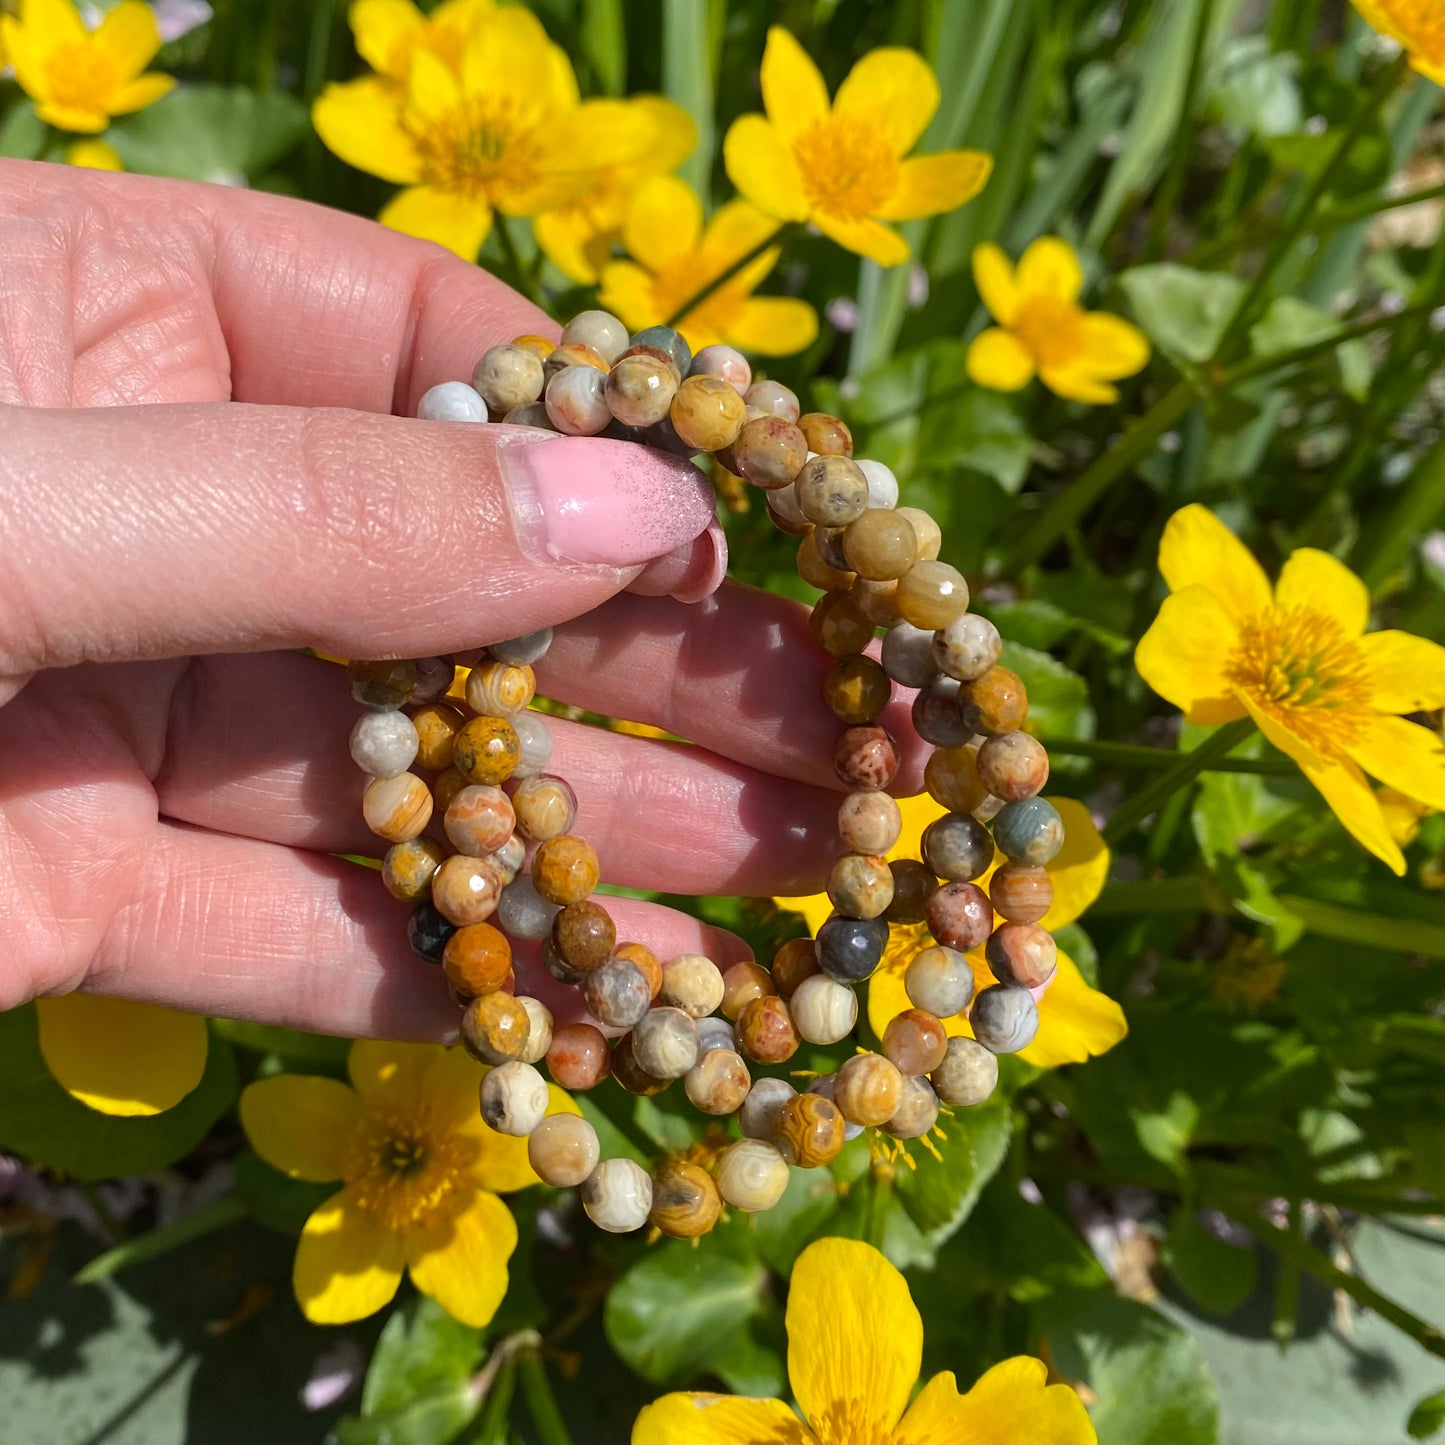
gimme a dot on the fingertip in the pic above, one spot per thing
(688, 573)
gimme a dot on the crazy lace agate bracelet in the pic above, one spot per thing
(505, 865)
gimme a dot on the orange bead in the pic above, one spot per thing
(826, 434)
(856, 689)
(794, 961)
(495, 1028)
(486, 750)
(565, 869)
(408, 868)
(397, 808)
(437, 725)
(646, 960)
(1022, 892)
(742, 983)
(765, 1030)
(477, 960)
(995, 703)
(808, 1130)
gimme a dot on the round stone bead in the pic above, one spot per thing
(465, 890)
(534, 745)
(617, 1196)
(967, 647)
(514, 1099)
(832, 491)
(868, 1089)
(573, 354)
(860, 885)
(826, 1085)
(939, 980)
(826, 435)
(928, 532)
(957, 847)
(869, 823)
(447, 784)
(882, 485)
(565, 869)
(707, 412)
(577, 401)
(539, 1035)
(579, 1058)
(647, 961)
(427, 931)
(522, 651)
(617, 994)
(540, 346)
(495, 1028)
(600, 330)
(795, 961)
(995, 703)
(408, 868)
(523, 912)
(760, 1108)
(1013, 766)
(880, 546)
(692, 983)
(585, 935)
(742, 983)
(558, 967)
(849, 949)
(382, 686)
(477, 960)
(824, 1011)
(967, 1075)
(838, 626)
(808, 1131)
(630, 1074)
(856, 688)
(479, 820)
(785, 512)
(819, 573)
(509, 857)
(640, 390)
(938, 714)
(1004, 1019)
(751, 1175)
(714, 1033)
(877, 601)
(1022, 892)
(718, 1082)
(533, 414)
(397, 808)
(765, 1030)
(866, 758)
(913, 886)
(668, 340)
(830, 546)
(563, 1150)
(1022, 954)
(915, 1041)
(546, 807)
(485, 750)
(775, 399)
(685, 1202)
(434, 678)
(917, 1110)
(451, 401)
(508, 376)
(1029, 832)
(769, 453)
(908, 655)
(664, 1042)
(951, 777)
(959, 916)
(726, 362)
(436, 726)
(500, 689)
(933, 595)
(385, 743)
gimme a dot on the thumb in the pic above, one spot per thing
(154, 531)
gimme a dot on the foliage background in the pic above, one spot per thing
(1189, 1226)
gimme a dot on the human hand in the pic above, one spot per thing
(199, 465)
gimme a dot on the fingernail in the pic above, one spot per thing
(599, 502)
(688, 573)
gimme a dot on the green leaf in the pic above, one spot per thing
(1290, 323)
(1165, 1133)
(1255, 90)
(275, 1200)
(22, 133)
(1427, 1417)
(1058, 697)
(44, 1124)
(980, 431)
(940, 1192)
(1219, 1275)
(1183, 310)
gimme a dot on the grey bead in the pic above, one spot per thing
(882, 484)
(523, 912)
(714, 1033)
(534, 738)
(938, 715)
(761, 1106)
(434, 677)
(957, 847)
(1004, 1019)
(618, 993)
(908, 655)
(522, 651)
(966, 649)
(384, 744)
(452, 401)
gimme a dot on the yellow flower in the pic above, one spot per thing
(79, 79)
(419, 1167)
(389, 32)
(855, 1345)
(131, 1059)
(506, 132)
(1042, 328)
(1299, 662)
(95, 155)
(842, 166)
(1417, 25)
(1076, 1022)
(664, 231)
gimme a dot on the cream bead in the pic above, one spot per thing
(664, 1043)
(824, 1011)
(539, 1035)
(617, 1196)
(563, 1149)
(693, 984)
(751, 1175)
(514, 1098)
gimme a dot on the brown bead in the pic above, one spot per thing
(826, 434)
(573, 353)
(837, 626)
(765, 1030)
(928, 532)
(742, 983)
(769, 452)
(657, 353)
(932, 595)
(1013, 766)
(446, 785)
(718, 1083)
(1022, 954)
(917, 1110)
(685, 1201)
(856, 688)
(880, 545)
(707, 413)
(818, 573)
(408, 868)
(995, 703)
(477, 960)
(792, 963)
(860, 885)
(832, 491)
(951, 777)
(913, 885)
(915, 1041)
(630, 1074)
(868, 1089)
(829, 541)
(959, 916)
(877, 601)
(465, 890)
(381, 686)
(479, 820)
(1022, 892)
(647, 961)
(866, 758)
(486, 750)
(640, 389)
(546, 807)
(808, 1130)
(437, 725)
(397, 808)
(495, 1028)
(565, 869)
(585, 935)
(869, 822)
(579, 1057)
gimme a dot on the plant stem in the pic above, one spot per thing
(491, 1428)
(1384, 548)
(522, 275)
(710, 288)
(541, 1402)
(161, 1241)
(1184, 137)
(1186, 768)
(1407, 935)
(1128, 755)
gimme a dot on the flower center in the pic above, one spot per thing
(850, 1420)
(904, 942)
(1298, 666)
(848, 170)
(485, 146)
(80, 75)
(1049, 327)
(406, 1171)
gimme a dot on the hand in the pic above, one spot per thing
(199, 462)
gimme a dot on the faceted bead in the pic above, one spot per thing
(915, 1041)
(546, 807)
(837, 626)
(534, 745)
(434, 678)
(726, 362)
(775, 399)
(714, 1033)
(877, 601)
(869, 823)
(647, 961)
(427, 931)
(832, 491)
(540, 346)
(573, 355)
(523, 912)
(477, 960)
(563, 1150)
(860, 885)
(769, 452)
(500, 689)
(785, 513)
(630, 1074)
(1022, 892)
(1013, 766)
(565, 869)
(917, 1110)
(685, 1202)
(967, 1075)
(447, 784)
(765, 1030)
(437, 725)
(718, 1082)
(742, 983)
(600, 330)
(522, 651)
(932, 595)
(514, 1099)
(760, 1108)
(967, 647)
(693, 984)
(849, 949)
(577, 401)
(880, 546)
(826, 435)
(640, 390)
(959, 916)
(707, 413)
(908, 655)
(808, 1131)
(951, 777)
(882, 485)
(856, 688)
(1029, 832)
(1022, 954)
(585, 935)
(508, 857)
(794, 962)
(668, 340)
(751, 1175)
(1004, 1019)
(617, 994)
(579, 1058)
(479, 820)
(396, 808)
(382, 686)
(617, 1196)
(829, 542)
(827, 1085)
(815, 571)
(868, 1089)
(824, 1010)
(539, 1035)
(957, 847)
(866, 758)
(384, 743)
(508, 376)
(466, 890)
(938, 714)
(664, 1042)
(939, 980)
(996, 702)
(913, 885)
(495, 1028)
(557, 966)
(486, 750)
(928, 532)
(451, 401)
(407, 869)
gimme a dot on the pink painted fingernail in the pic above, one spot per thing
(688, 573)
(599, 502)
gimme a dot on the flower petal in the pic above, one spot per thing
(999, 360)
(390, 1076)
(510, 55)
(1407, 673)
(384, 32)
(136, 94)
(502, 1165)
(773, 326)
(855, 1339)
(462, 1262)
(129, 1059)
(762, 167)
(1111, 346)
(993, 274)
(928, 185)
(1404, 756)
(794, 94)
(1076, 382)
(432, 88)
(1076, 1022)
(664, 222)
(1184, 653)
(1316, 582)
(1010, 1405)
(866, 237)
(1198, 547)
(694, 1419)
(94, 155)
(84, 120)
(573, 242)
(347, 1266)
(1080, 868)
(360, 122)
(130, 35)
(630, 294)
(1049, 267)
(893, 91)
(599, 133)
(456, 222)
(301, 1124)
(52, 22)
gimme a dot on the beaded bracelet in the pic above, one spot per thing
(877, 565)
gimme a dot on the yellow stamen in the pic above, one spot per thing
(847, 168)
(1049, 327)
(79, 75)
(408, 1171)
(484, 144)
